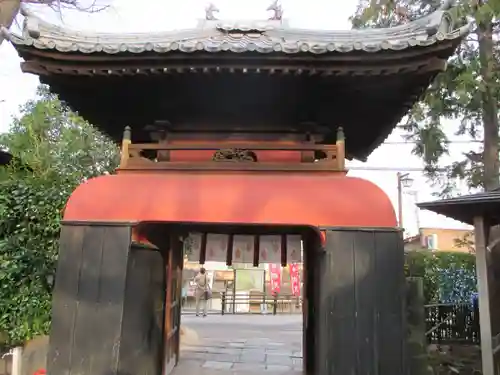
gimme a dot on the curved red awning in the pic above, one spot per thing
(286, 199)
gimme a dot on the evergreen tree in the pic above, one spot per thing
(467, 93)
(54, 151)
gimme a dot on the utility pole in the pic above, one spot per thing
(400, 201)
(404, 181)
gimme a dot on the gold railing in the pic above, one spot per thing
(238, 156)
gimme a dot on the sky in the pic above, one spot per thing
(157, 15)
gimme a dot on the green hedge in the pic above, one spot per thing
(449, 277)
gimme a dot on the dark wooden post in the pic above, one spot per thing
(475, 319)
(275, 303)
(340, 149)
(264, 289)
(487, 244)
(234, 290)
(127, 136)
(361, 325)
(173, 297)
(223, 302)
(417, 342)
(312, 250)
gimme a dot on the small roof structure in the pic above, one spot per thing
(483, 211)
(244, 76)
(467, 207)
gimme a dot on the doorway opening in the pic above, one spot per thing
(259, 316)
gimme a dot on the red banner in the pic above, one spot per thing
(275, 277)
(295, 279)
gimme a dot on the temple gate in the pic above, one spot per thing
(237, 128)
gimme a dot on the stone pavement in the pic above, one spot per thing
(242, 345)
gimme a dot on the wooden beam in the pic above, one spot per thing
(239, 145)
(147, 166)
(44, 67)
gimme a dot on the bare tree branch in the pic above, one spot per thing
(10, 8)
(58, 5)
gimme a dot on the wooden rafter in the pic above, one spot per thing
(46, 67)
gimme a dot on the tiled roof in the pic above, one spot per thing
(242, 36)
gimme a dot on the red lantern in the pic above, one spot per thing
(139, 237)
(323, 237)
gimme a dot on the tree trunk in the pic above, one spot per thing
(489, 104)
(8, 13)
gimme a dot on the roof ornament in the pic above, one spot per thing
(31, 24)
(277, 9)
(209, 12)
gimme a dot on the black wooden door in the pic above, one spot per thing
(108, 307)
(143, 313)
(359, 317)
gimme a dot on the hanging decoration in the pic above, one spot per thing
(295, 279)
(243, 248)
(192, 247)
(270, 249)
(294, 248)
(214, 247)
(216, 250)
(275, 277)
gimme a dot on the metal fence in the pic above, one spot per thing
(228, 303)
(452, 323)
(279, 303)
(445, 323)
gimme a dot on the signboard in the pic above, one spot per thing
(295, 279)
(224, 275)
(275, 277)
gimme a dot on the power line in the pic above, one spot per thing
(391, 169)
(449, 142)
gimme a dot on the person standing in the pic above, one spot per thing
(201, 289)
(184, 294)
